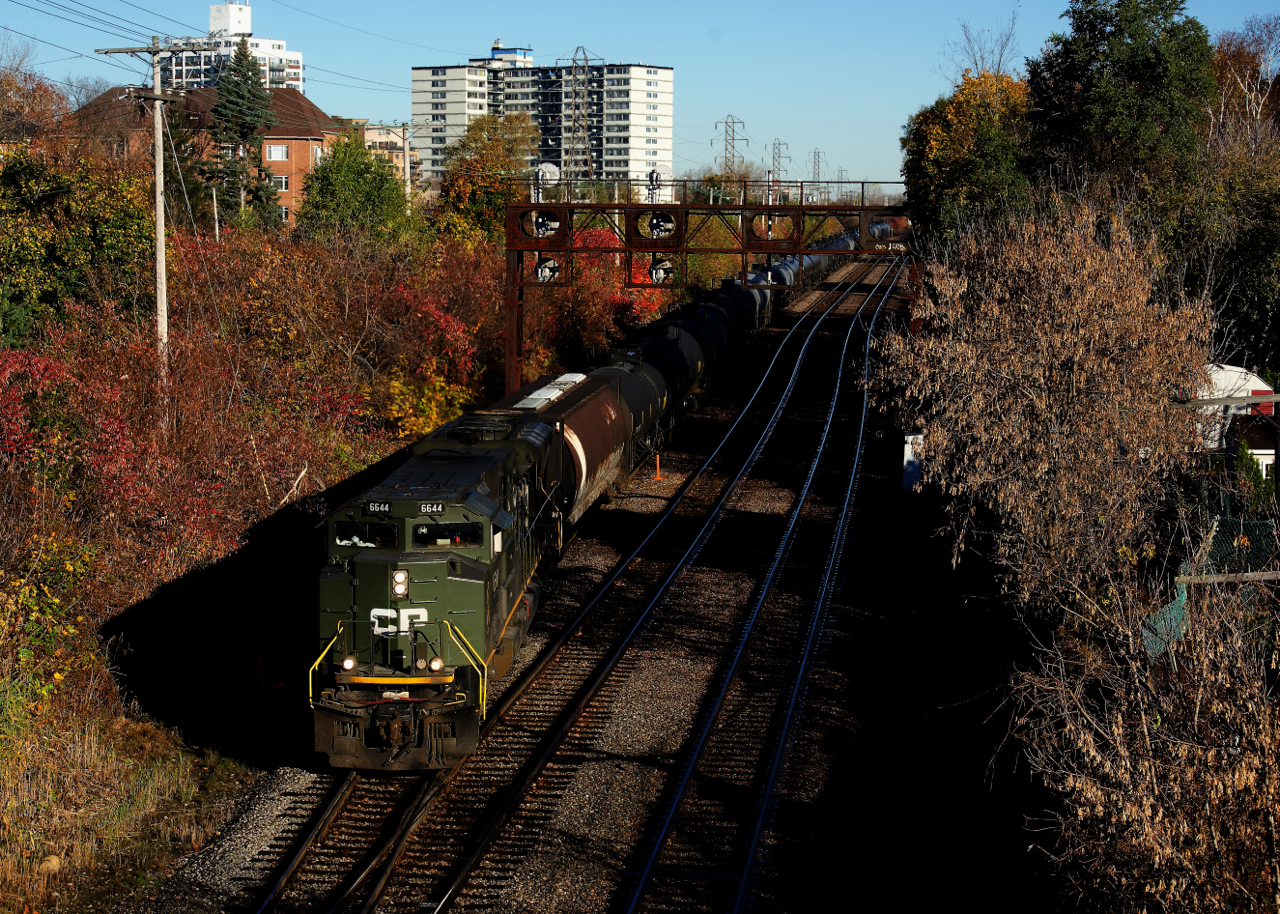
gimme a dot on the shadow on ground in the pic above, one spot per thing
(222, 652)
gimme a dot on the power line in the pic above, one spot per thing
(143, 28)
(72, 21)
(329, 82)
(363, 31)
(360, 78)
(185, 25)
(111, 63)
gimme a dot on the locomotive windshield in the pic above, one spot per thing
(447, 536)
(367, 534)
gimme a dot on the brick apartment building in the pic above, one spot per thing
(290, 148)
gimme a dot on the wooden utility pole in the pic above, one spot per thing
(404, 135)
(154, 51)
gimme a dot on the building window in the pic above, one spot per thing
(651, 130)
(617, 117)
(651, 82)
(438, 140)
(284, 214)
(651, 95)
(651, 107)
(439, 107)
(651, 72)
(650, 117)
(618, 105)
(652, 141)
(276, 154)
(437, 72)
(437, 117)
(280, 181)
(473, 106)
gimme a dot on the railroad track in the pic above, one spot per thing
(702, 851)
(352, 865)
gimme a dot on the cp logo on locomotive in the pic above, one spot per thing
(395, 622)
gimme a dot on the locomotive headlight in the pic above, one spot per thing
(400, 582)
(436, 664)
(349, 662)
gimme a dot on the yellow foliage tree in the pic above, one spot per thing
(965, 148)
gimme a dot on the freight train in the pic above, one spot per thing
(430, 585)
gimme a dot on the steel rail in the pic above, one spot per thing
(570, 716)
(432, 785)
(517, 688)
(394, 846)
(694, 749)
(333, 808)
(795, 703)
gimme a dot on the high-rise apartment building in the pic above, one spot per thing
(228, 23)
(600, 120)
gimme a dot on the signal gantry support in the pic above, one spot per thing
(550, 221)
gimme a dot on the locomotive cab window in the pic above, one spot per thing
(366, 534)
(447, 536)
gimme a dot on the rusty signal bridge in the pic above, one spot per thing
(657, 224)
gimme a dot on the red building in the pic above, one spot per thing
(290, 148)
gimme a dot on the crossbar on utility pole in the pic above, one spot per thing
(154, 51)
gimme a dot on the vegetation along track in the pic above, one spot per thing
(529, 723)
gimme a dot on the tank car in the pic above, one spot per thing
(430, 587)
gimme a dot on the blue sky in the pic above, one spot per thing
(840, 77)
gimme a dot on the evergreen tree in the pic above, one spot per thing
(349, 190)
(244, 108)
(182, 178)
(1126, 90)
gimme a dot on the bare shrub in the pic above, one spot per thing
(1168, 766)
(1042, 377)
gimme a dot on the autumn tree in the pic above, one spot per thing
(242, 110)
(30, 105)
(1228, 214)
(1042, 380)
(965, 149)
(493, 150)
(350, 191)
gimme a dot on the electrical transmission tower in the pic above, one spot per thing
(841, 174)
(730, 161)
(576, 134)
(818, 156)
(778, 156)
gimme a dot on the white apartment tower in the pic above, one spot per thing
(624, 110)
(228, 23)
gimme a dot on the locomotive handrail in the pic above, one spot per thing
(546, 500)
(311, 673)
(473, 657)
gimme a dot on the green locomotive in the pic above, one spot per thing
(429, 589)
